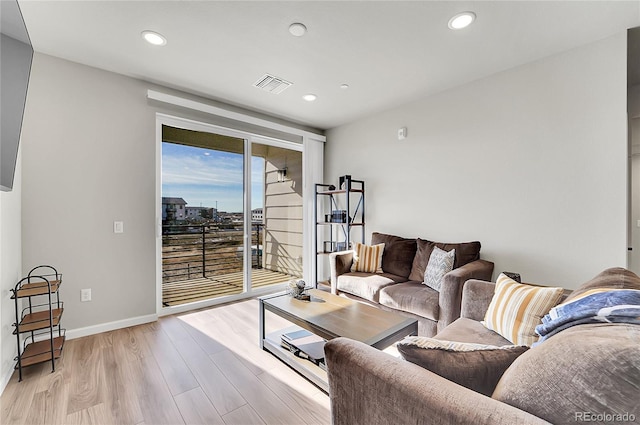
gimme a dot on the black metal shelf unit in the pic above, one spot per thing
(40, 319)
(338, 210)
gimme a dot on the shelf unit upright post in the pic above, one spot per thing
(38, 317)
(340, 225)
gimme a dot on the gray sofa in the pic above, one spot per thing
(589, 373)
(399, 288)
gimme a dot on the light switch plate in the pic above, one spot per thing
(85, 295)
(118, 227)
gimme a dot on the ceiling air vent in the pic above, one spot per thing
(272, 84)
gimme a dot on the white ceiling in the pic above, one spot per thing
(389, 52)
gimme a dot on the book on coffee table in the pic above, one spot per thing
(304, 344)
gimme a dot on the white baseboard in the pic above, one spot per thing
(110, 326)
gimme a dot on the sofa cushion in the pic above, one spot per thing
(440, 263)
(475, 366)
(413, 297)
(398, 254)
(586, 369)
(366, 285)
(367, 258)
(613, 278)
(516, 309)
(466, 252)
(467, 330)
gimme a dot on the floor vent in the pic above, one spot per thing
(272, 84)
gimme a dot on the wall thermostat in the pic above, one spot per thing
(402, 133)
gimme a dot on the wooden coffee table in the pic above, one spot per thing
(330, 316)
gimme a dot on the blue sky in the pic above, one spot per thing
(203, 176)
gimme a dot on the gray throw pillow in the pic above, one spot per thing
(586, 373)
(474, 366)
(440, 263)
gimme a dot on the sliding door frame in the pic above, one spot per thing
(249, 138)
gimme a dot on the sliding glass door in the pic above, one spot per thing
(231, 214)
(276, 207)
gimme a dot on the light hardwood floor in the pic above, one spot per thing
(202, 367)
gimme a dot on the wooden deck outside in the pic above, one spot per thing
(188, 291)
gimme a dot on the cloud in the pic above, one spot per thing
(188, 166)
(202, 177)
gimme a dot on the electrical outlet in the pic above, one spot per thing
(85, 295)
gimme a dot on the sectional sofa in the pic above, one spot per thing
(399, 287)
(585, 373)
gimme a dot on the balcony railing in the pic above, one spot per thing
(206, 250)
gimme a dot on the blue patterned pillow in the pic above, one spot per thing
(440, 263)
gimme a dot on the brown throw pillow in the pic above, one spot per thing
(466, 252)
(614, 278)
(474, 366)
(398, 254)
(420, 261)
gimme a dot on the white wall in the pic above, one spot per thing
(89, 147)
(10, 271)
(531, 161)
(88, 143)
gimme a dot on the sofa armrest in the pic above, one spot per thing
(476, 297)
(368, 386)
(339, 263)
(450, 298)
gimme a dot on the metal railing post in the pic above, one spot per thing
(258, 253)
(258, 250)
(204, 270)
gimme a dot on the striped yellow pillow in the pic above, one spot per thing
(516, 309)
(367, 258)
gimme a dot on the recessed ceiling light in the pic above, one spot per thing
(297, 29)
(462, 20)
(344, 86)
(154, 38)
(310, 97)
